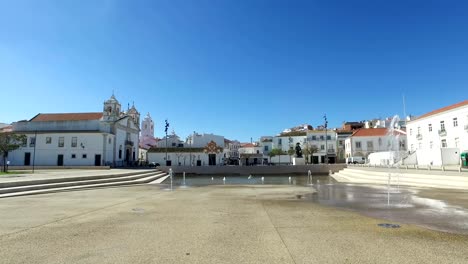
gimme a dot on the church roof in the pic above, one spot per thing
(66, 117)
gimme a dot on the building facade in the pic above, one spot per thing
(102, 138)
(366, 141)
(440, 136)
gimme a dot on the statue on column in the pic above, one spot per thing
(298, 150)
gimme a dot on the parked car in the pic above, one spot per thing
(154, 164)
(355, 160)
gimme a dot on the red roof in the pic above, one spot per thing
(66, 117)
(444, 109)
(247, 145)
(372, 132)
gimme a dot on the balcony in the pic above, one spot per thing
(418, 136)
(331, 151)
(128, 143)
(442, 133)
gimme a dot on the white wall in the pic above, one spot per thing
(183, 158)
(452, 132)
(46, 154)
(201, 140)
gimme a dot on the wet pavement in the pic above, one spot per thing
(437, 209)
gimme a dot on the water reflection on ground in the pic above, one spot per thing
(438, 209)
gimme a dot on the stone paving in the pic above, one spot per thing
(211, 224)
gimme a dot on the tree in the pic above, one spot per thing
(309, 151)
(276, 152)
(9, 142)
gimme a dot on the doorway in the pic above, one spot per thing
(97, 160)
(27, 158)
(211, 159)
(60, 160)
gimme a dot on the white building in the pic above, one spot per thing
(325, 142)
(250, 154)
(287, 141)
(440, 136)
(209, 155)
(201, 140)
(173, 141)
(232, 151)
(366, 141)
(109, 137)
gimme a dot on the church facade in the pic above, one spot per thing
(107, 138)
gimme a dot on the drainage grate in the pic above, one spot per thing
(386, 225)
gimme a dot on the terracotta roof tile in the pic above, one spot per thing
(443, 109)
(66, 117)
(372, 132)
(247, 145)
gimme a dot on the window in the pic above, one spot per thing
(74, 142)
(84, 156)
(431, 144)
(380, 141)
(61, 142)
(258, 151)
(73, 156)
(173, 144)
(314, 137)
(322, 138)
(120, 152)
(279, 141)
(328, 137)
(322, 147)
(48, 140)
(32, 142)
(358, 144)
(24, 142)
(444, 143)
(420, 145)
(402, 144)
(430, 127)
(419, 130)
(110, 140)
(265, 148)
(442, 126)
(370, 144)
(455, 122)
(340, 142)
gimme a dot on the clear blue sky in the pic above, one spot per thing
(236, 68)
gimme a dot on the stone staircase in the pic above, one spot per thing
(402, 177)
(10, 189)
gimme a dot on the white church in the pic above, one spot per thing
(107, 138)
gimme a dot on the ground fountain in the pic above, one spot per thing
(309, 178)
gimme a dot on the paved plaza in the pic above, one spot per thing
(210, 224)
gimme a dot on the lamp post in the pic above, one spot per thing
(165, 130)
(326, 147)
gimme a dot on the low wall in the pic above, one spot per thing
(58, 167)
(320, 169)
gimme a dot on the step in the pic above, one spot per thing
(88, 186)
(70, 179)
(74, 183)
(436, 177)
(402, 180)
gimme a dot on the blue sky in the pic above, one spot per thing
(236, 68)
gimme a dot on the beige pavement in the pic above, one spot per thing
(58, 173)
(213, 224)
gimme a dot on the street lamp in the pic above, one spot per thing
(326, 147)
(165, 130)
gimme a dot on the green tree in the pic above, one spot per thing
(276, 152)
(309, 151)
(9, 142)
